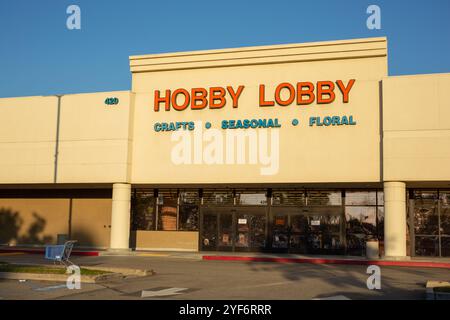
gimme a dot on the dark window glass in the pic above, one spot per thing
(280, 231)
(360, 198)
(431, 218)
(225, 230)
(288, 197)
(425, 213)
(323, 198)
(445, 212)
(250, 230)
(361, 220)
(380, 211)
(299, 224)
(324, 233)
(380, 196)
(445, 198)
(328, 223)
(445, 221)
(445, 246)
(167, 210)
(425, 196)
(144, 211)
(427, 246)
(209, 231)
(189, 197)
(189, 215)
(360, 227)
(218, 197)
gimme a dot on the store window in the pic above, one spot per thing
(323, 198)
(218, 197)
(256, 198)
(143, 210)
(289, 197)
(432, 222)
(445, 223)
(426, 223)
(360, 198)
(189, 211)
(165, 210)
(364, 216)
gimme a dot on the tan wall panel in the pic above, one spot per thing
(91, 220)
(27, 162)
(27, 139)
(167, 240)
(28, 119)
(93, 161)
(33, 221)
(94, 138)
(416, 113)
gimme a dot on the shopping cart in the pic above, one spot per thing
(60, 253)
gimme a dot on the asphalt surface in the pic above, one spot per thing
(182, 278)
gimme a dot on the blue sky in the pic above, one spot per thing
(40, 56)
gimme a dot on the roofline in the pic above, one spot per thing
(324, 50)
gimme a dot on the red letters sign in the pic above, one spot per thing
(301, 93)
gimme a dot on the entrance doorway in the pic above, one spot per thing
(234, 228)
(309, 230)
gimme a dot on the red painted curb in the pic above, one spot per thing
(417, 264)
(42, 251)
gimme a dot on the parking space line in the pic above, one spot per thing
(61, 286)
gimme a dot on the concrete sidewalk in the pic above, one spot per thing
(250, 257)
(290, 258)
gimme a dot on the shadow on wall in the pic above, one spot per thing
(11, 224)
(84, 240)
(12, 233)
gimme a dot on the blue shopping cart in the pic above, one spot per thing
(60, 253)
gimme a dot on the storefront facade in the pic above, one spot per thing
(309, 148)
(308, 221)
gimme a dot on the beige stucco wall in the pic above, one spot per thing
(307, 154)
(27, 139)
(416, 128)
(93, 139)
(33, 221)
(91, 222)
(38, 221)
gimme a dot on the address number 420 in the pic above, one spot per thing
(111, 101)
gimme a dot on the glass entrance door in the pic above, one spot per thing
(233, 228)
(309, 230)
(226, 230)
(251, 229)
(325, 232)
(217, 229)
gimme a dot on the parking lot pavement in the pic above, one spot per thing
(196, 279)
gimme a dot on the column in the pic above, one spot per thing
(120, 217)
(395, 220)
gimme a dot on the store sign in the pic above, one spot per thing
(300, 93)
(253, 139)
(242, 221)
